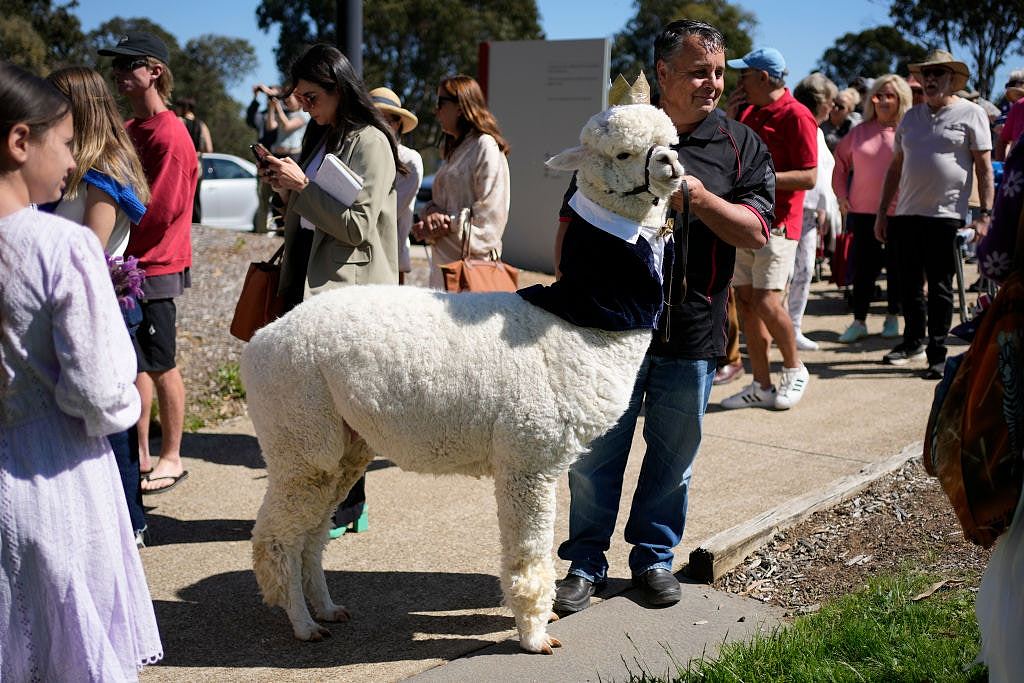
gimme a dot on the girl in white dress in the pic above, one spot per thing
(74, 605)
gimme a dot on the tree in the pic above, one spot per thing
(870, 53)
(633, 48)
(203, 70)
(409, 45)
(57, 28)
(990, 32)
(20, 44)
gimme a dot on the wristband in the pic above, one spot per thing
(985, 212)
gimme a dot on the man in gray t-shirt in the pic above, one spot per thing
(938, 143)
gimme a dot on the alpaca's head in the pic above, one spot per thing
(624, 163)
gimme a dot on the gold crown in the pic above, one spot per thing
(622, 92)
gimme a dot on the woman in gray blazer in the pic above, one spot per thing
(326, 242)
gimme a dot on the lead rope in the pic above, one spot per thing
(680, 239)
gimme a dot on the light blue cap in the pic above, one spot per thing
(763, 59)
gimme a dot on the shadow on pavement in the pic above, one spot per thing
(221, 621)
(223, 449)
(169, 531)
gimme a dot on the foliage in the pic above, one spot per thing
(991, 32)
(877, 634)
(203, 69)
(21, 45)
(633, 47)
(409, 45)
(870, 53)
(56, 27)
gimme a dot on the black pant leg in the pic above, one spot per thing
(867, 261)
(940, 267)
(910, 235)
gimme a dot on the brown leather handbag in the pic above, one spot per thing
(259, 303)
(478, 274)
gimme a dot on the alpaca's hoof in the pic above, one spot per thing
(335, 614)
(544, 646)
(312, 633)
(552, 617)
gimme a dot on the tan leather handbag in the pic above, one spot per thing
(259, 303)
(478, 274)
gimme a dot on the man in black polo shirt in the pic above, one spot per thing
(732, 186)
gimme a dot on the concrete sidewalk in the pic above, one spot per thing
(422, 583)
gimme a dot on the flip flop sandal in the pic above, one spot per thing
(174, 482)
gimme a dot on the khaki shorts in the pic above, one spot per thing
(769, 267)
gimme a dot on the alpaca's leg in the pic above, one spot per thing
(526, 519)
(357, 457)
(278, 536)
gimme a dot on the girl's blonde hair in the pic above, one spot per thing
(100, 140)
(902, 88)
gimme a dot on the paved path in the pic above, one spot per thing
(422, 584)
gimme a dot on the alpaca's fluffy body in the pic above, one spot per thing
(477, 384)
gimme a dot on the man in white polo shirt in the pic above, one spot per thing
(937, 144)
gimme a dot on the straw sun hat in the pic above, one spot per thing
(944, 59)
(386, 100)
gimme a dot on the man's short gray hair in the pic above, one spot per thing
(672, 37)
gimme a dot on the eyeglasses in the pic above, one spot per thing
(935, 72)
(307, 98)
(129, 63)
(444, 98)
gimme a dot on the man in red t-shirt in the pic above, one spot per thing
(161, 242)
(789, 130)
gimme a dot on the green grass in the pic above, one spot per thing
(876, 634)
(229, 381)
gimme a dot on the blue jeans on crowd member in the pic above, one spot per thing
(126, 452)
(674, 393)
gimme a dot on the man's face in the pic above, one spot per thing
(691, 83)
(937, 81)
(133, 75)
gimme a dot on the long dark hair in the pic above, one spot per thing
(326, 66)
(476, 117)
(26, 98)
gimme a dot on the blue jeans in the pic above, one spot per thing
(126, 452)
(674, 393)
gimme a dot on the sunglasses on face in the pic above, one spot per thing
(129, 63)
(935, 72)
(444, 98)
(308, 98)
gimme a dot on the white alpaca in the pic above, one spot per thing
(517, 394)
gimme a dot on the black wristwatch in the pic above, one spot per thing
(985, 212)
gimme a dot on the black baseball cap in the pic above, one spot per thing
(138, 44)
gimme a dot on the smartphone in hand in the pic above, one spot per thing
(260, 152)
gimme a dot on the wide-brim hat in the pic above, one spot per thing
(1014, 93)
(138, 44)
(944, 59)
(386, 100)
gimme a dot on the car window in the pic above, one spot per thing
(223, 169)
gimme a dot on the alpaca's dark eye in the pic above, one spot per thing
(622, 155)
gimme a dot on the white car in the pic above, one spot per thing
(228, 192)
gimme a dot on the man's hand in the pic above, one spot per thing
(980, 227)
(697, 192)
(735, 104)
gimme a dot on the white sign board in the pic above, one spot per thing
(542, 92)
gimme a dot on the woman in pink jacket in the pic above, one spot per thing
(862, 158)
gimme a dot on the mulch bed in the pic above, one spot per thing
(902, 521)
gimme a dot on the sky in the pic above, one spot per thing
(800, 29)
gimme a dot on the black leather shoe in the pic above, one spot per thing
(659, 587)
(573, 595)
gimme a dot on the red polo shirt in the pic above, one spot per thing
(790, 132)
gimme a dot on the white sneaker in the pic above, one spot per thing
(752, 396)
(805, 344)
(791, 387)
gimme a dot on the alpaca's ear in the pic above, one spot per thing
(567, 160)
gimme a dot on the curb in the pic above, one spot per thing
(717, 555)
